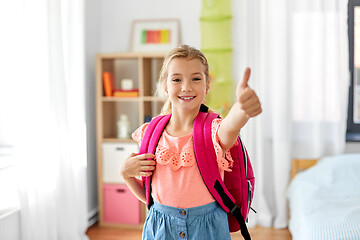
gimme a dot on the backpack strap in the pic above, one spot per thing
(206, 159)
(148, 145)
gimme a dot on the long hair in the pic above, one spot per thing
(184, 51)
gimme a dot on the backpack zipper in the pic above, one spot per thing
(249, 198)
(245, 156)
(249, 191)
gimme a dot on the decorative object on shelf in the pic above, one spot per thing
(108, 82)
(147, 118)
(155, 35)
(126, 93)
(127, 84)
(123, 126)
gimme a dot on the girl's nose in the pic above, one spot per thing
(186, 86)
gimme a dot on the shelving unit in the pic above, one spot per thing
(117, 205)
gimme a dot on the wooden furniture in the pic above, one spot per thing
(300, 165)
(143, 69)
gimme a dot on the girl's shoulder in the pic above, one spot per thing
(138, 134)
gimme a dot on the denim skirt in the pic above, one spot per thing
(205, 222)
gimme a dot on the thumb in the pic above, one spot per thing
(245, 79)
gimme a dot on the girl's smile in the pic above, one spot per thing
(186, 98)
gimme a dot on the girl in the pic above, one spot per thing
(183, 207)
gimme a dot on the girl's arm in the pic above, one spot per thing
(247, 105)
(135, 166)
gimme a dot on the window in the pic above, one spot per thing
(353, 124)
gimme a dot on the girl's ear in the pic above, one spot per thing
(207, 86)
(165, 89)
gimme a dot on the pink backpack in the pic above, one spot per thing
(235, 193)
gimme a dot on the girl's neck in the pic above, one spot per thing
(181, 124)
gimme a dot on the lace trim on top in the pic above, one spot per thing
(184, 157)
(138, 134)
(225, 161)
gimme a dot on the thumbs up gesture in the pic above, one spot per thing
(247, 105)
(246, 97)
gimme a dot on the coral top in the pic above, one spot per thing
(176, 180)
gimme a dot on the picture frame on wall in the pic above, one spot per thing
(159, 35)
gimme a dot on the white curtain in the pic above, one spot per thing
(43, 60)
(298, 52)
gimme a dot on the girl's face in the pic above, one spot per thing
(186, 84)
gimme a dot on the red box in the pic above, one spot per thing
(120, 205)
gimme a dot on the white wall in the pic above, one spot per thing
(107, 29)
(116, 17)
(352, 147)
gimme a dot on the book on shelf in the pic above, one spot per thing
(126, 93)
(108, 83)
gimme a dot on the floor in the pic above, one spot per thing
(96, 232)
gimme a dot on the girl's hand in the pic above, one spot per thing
(138, 165)
(247, 98)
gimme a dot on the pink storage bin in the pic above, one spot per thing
(120, 205)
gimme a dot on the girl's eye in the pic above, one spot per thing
(197, 79)
(176, 80)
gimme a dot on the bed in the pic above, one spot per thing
(324, 200)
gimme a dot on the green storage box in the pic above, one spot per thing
(216, 33)
(216, 8)
(220, 65)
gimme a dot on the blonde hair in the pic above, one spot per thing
(184, 51)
